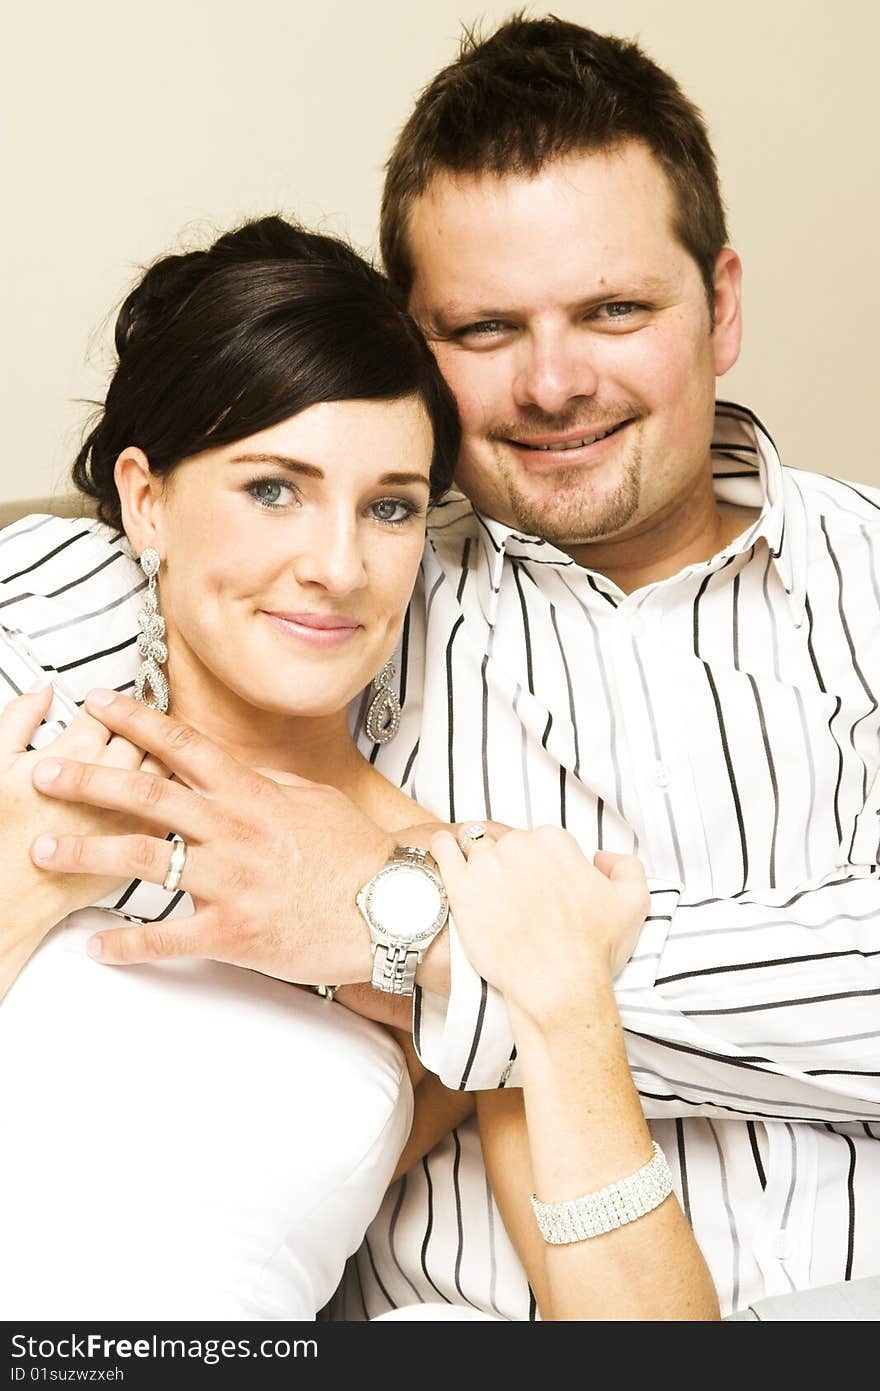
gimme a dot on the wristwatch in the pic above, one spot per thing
(405, 907)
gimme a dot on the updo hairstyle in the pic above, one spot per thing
(216, 345)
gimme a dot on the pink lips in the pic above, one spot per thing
(315, 629)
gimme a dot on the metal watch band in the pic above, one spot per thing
(417, 853)
(394, 969)
(607, 1208)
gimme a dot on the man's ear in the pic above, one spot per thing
(140, 497)
(727, 331)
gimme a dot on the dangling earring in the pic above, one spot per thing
(151, 684)
(383, 717)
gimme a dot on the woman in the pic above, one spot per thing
(273, 432)
(269, 444)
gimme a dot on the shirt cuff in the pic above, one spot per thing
(465, 1039)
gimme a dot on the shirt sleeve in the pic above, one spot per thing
(467, 1039)
(760, 1006)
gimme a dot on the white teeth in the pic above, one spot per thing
(573, 444)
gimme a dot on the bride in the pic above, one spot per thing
(189, 1139)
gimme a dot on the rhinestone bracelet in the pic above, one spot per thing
(607, 1208)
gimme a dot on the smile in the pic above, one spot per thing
(315, 629)
(563, 445)
(544, 454)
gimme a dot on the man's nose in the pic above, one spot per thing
(555, 367)
(331, 555)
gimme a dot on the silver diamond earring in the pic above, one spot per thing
(151, 684)
(383, 716)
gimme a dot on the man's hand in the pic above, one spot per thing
(272, 868)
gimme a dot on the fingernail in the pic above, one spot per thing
(39, 685)
(101, 697)
(43, 848)
(95, 947)
(47, 771)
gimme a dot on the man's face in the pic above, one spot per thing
(574, 330)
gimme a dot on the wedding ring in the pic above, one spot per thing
(175, 866)
(469, 835)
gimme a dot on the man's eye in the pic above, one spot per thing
(271, 493)
(485, 328)
(393, 510)
(619, 309)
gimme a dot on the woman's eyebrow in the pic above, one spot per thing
(279, 461)
(395, 478)
(400, 478)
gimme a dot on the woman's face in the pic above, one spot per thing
(289, 557)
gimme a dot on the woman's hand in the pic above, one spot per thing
(536, 918)
(33, 901)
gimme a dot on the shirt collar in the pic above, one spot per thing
(746, 471)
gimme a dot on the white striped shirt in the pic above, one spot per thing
(723, 725)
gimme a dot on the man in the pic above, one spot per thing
(644, 630)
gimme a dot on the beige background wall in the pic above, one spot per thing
(130, 127)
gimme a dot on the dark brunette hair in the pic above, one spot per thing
(538, 90)
(218, 344)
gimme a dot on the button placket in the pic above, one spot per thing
(674, 778)
(632, 647)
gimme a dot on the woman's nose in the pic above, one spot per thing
(331, 556)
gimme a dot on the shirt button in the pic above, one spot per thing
(661, 775)
(783, 1245)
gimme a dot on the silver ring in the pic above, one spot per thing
(469, 835)
(175, 866)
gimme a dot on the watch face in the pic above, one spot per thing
(405, 903)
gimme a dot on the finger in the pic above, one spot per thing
(454, 871)
(84, 738)
(286, 779)
(118, 857)
(450, 861)
(149, 764)
(195, 759)
(122, 946)
(495, 830)
(620, 868)
(21, 717)
(162, 803)
(120, 753)
(471, 837)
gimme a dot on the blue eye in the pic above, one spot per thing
(393, 511)
(271, 493)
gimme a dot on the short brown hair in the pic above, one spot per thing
(540, 89)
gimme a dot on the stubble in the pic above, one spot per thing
(569, 508)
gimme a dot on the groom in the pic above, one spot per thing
(644, 629)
